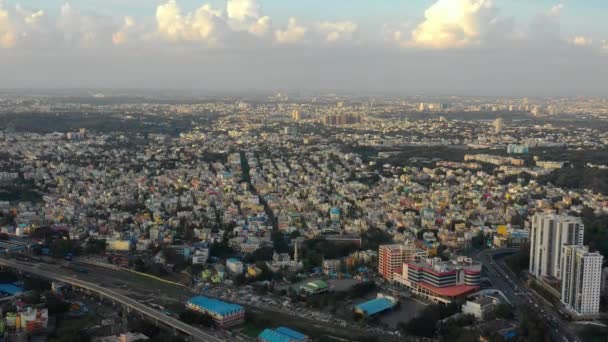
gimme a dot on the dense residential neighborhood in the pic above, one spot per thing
(260, 217)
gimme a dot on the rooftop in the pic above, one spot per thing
(375, 306)
(270, 335)
(214, 305)
(449, 291)
(281, 334)
(291, 333)
(10, 289)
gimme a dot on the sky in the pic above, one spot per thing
(460, 47)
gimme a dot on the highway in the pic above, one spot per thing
(100, 273)
(195, 333)
(516, 292)
(131, 287)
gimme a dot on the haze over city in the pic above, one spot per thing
(303, 170)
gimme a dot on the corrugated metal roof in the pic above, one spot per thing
(291, 333)
(449, 291)
(315, 285)
(10, 289)
(214, 305)
(375, 306)
(269, 335)
(281, 334)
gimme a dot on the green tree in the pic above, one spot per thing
(479, 241)
(55, 304)
(95, 246)
(503, 310)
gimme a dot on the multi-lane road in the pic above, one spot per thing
(502, 279)
(518, 294)
(55, 273)
(139, 290)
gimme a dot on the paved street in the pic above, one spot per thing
(120, 283)
(518, 294)
(56, 273)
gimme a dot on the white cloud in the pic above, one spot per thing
(292, 34)
(243, 10)
(455, 23)
(336, 31)
(18, 25)
(8, 37)
(204, 24)
(31, 28)
(121, 37)
(446, 24)
(246, 15)
(556, 10)
(29, 17)
(83, 29)
(582, 41)
(260, 27)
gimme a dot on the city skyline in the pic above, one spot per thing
(303, 171)
(463, 47)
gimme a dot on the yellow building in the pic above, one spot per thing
(119, 245)
(253, 271)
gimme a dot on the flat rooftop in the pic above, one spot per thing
(214, 305)
(375, 306)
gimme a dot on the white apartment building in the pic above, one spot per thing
(549, 232)
(200, 256)
(480, 307)
(581, 279)
(234, 266)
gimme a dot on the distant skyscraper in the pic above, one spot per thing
(421, 107)
(581, 279)
(536, 111)
(296, 115)
(341, 119)
(498, 125)
(548, 234)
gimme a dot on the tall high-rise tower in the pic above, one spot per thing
(296, 115)
(498, 125)
(548, 234)
(581, 279)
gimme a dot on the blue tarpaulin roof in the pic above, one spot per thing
(374, 306)
(269, 335)
(509, 334)
(10, 289)
(281, 334)
(291, 333)
(214, 305)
